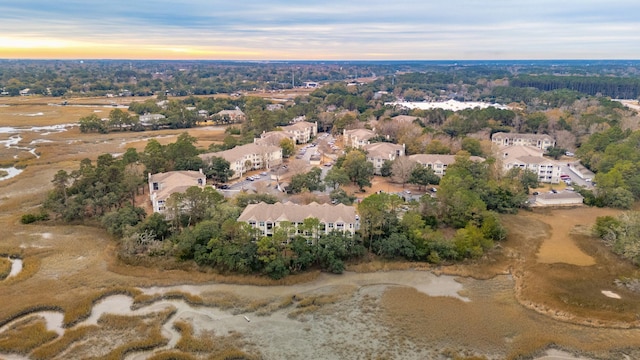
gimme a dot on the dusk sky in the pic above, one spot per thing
(321, 30)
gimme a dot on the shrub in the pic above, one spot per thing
(31, 218)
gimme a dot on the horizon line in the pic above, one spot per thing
(311, 60)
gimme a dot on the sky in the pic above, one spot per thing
(320, 30)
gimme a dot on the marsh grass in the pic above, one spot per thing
(25, 336)
(309, 304)
(219, 347)
(171, 355)
(5, 268)
(30, 266)
(141, 299)
(54, 348)
(275, 305)
(82, 309)
(117, 335)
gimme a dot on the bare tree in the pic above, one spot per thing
(401, 169)
(565, 139)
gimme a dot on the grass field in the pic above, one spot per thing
(540, 288)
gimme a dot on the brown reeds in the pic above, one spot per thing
(54, 348)
(82, 309)
(171, 355)
(25, 336)
(220, 347)
(5, 268)
(30, 266)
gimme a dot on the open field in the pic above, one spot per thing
(541, 288)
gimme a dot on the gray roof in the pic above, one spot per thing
(439, 158)
(300, 125)
(502, 135)
(560, 195)
(383, 149)
(277, 212)
(238, 152)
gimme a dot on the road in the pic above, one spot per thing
(575, 179)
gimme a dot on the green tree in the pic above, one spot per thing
(154, 157)
(336, 176)
(470, 242)
(288, 147)
(119, 119)
(423, 176)
(218, 170)
(92, 123)
(117, 222)
(359, 170)
(555, 152)
(387, 168)
(472, 146)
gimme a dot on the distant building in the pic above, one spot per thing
(230, 116)
(273, 138)
(274, 107)
(310, 84)
(357, 138)
(162, 185)
(302, 132)
(438, 162)
(540, 141)
(150, 119)
(404, 119)
(267, 217)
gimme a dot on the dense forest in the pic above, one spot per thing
(465, 80)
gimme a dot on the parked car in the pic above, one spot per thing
(223, 186)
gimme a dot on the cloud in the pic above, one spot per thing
(403, 29)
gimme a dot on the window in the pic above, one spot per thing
(261, 224)
(156, 186)
(252, 223)
(340, 226)
(199, 181)
(330, 225)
